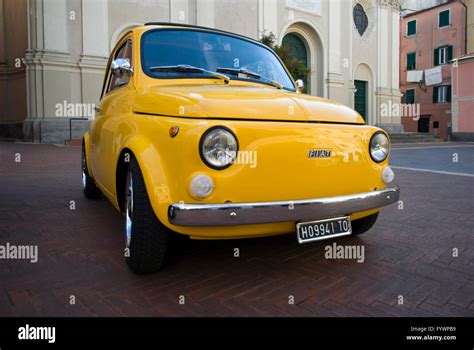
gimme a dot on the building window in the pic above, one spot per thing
(411, 28)
(442, 55)
(444, 18)
(361, 20)
(411, 61)
(410, 96)
(442, 94)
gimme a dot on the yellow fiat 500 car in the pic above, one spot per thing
(204, 133)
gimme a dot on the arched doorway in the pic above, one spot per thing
(298, 49)
(306, 43)
(364, 92)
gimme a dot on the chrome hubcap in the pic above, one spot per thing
(128, 209)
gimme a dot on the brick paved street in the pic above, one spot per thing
(409, 253)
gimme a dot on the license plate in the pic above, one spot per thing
(323, 229)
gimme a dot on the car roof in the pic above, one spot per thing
(191, 26)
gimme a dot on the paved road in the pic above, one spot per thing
(408, 255)
(449, 157)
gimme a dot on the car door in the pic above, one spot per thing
(113, 105)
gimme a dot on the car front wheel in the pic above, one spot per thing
(363, 225)
(146, 238)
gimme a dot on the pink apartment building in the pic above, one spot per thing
(429, 40)
(463, 97)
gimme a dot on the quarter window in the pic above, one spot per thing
(125, 51)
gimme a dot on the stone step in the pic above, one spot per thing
(73, 142)
(414, 137)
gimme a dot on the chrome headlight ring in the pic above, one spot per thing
(218, 147)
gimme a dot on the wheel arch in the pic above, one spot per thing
(121, 176)
(148, 159)
(86, 146)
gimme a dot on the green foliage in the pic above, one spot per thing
(296, 67)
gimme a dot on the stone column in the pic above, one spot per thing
(55, 29)
(179, 11)
(335, 81)
(267, 17)
(95, 48)
(49, 71)
(387, 82)
(205, 13)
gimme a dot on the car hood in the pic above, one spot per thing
(239, 102)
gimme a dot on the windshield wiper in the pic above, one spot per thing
(185, 68)
(250, 74)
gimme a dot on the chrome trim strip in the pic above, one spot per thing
(231, 214)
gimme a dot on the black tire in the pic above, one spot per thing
(146, 246)
(363, 225)
(91, 191)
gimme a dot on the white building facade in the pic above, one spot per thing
(351, 47)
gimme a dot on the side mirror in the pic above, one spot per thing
(121, 67)
(300, 84)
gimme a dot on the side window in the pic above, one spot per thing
(125, 51)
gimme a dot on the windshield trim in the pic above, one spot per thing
(208, 76)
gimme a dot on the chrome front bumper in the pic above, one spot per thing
(268, 212)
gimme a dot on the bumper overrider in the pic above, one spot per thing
(232, 214)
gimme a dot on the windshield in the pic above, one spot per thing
(212, 52)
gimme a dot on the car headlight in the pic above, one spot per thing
(218, 147)
(379, 147)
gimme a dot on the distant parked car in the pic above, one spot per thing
(205, 133)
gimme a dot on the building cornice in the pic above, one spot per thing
(394, 5)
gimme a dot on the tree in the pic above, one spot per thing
(296, 66)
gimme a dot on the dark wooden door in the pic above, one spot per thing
(424, 124)
(360, 98)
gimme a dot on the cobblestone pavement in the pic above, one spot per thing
(411, 267)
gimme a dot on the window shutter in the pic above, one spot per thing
(410, 96)
(411, 28)
(436, 57)
(435, 94)
(448, 93)
(443, 20)
(450, 53)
